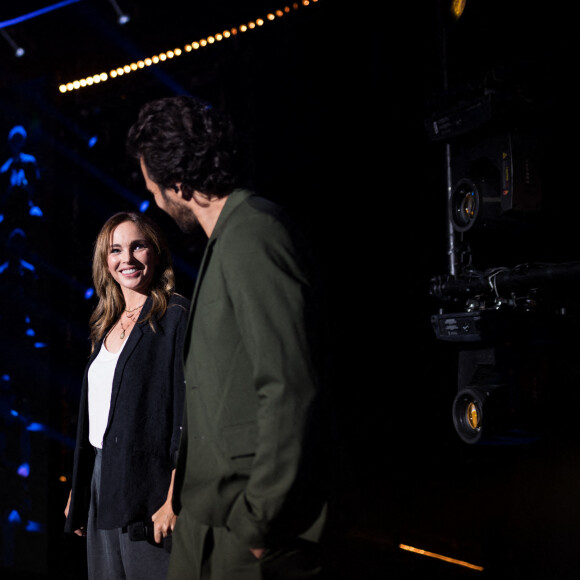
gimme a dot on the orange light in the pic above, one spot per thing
(156, 59)
(440, 557)
(457, 8)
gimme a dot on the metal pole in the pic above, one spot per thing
(448, 174)
(450, 231)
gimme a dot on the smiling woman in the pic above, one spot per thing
(131, 263)
(131, 404)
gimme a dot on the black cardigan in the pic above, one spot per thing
(143, 431)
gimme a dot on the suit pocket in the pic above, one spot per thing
(239, 443)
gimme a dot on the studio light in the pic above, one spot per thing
(496, 179)
(482, 414)
(464, 205)
(18, 50)
(468, 414)
(188, 48)
(481, 407)
(122, 17)
(474, 203)
(457, 8)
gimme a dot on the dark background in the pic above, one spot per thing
(334, 99)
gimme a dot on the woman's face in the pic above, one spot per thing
(131, 259)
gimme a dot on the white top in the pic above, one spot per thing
(100, 377)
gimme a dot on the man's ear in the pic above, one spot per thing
(178, 189)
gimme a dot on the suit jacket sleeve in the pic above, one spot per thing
(271, 288)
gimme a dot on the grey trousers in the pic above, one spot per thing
(111, 555)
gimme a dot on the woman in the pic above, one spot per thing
(131, 405)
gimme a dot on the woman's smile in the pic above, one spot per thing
(131, 260)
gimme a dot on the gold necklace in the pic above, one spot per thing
(130, 317)
(122, 335)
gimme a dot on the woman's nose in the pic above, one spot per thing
(127, 256)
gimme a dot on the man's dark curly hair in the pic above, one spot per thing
(185, 140)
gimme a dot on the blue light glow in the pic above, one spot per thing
(30, 332)
(27, 266)
(14, 517)
(36, 13)
(35, 211)
(40, 345)
(24, 470)
(93, 141)
(144, 206)
(89, 293)
(36, 427)
(34, 527)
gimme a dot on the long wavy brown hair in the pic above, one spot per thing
(111, 301)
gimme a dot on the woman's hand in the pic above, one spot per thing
(80, 531)
(67, 504)
(164, 519)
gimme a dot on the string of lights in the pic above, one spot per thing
(188, 48)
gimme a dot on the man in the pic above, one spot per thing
(250, 487)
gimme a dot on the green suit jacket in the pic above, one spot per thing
(250, 458)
